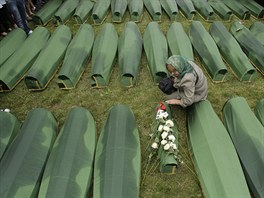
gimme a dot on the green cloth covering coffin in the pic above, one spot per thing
(100, 11)
(135, 8)
(255, 9)
(247, 135)
(259, 111)
(221, 10)
(178, 41)
(76, 57)
(208, 52)
(187, 8)
(66, 11)
(83, 11)
(154, 9)
(129, 54)
(156, 49)
(214, 155)
(170, 7)
(118, 8)
(8, 130)
(249, 44)
(232, 52)
(69, 168)
(118, 159)
(46, 13)
(46, 65)
(257, 29)
(22, 166)
(11, 43)
(13, 70)
(238, 9)
(103, 55)
(205, 10)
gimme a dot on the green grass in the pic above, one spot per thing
(142, 99)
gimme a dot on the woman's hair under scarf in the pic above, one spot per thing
(180, 64)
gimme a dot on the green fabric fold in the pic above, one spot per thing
(205, 10)
(221, 9)
(129, 54)
(259, 111)
(238, 9)
(69, 168)
(22, 166)
(187, 8)
(13, 70)
(250, 45)
(247, 134)
(207, 51)
(255, 9)
(156, 49)
(257, 29)
(118, 158)
(118, 9)
(100, 11)
(170, 8)
(232, 52)
(154, 9)
(178, 41)
(8, 131)
(47, 63)
(11, 43)
(83, 11)
(103, 55)
(214, 154)
(76, 57)
(135, 8)
(66, 11)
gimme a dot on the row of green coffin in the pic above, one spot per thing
(44, 53)
(35, 162)
(61, 11)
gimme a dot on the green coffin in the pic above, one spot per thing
(238, 9)
(221, 9)
(135, 8)
(232, 52)
(8, 131)
(259, 111)
(100, 11)
(214, 154)
(249, 44)
(156, 49)
(247, 135)
(208, 52)
(83, 11)
(118, 8)
(129, 54)
(13, 70)
(11, 43)
(46, 13)
(103, 55)
(66, 11)
(69, 168)
(187, 8)
(178, 41)
(255, 9)
(257, 29)
(22, 165)
(118, 159)
(170, 7)
(76, 57)
(154, 9)
(47, 63)
(205, 10)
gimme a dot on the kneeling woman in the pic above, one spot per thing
(189, 81)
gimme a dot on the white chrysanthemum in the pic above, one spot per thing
(159, 114)
(166, 147)
(163, 142)
(160, 128)
(169, 123)
(166, 128)
(155, 145)
(174, 146)
(164, 135)
(171, 137)
(165, 115)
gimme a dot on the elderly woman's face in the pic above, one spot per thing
(172, 70)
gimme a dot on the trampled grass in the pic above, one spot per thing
(142, 99)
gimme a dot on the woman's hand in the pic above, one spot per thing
(173, 101)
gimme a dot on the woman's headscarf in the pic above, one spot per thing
(180, 64)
